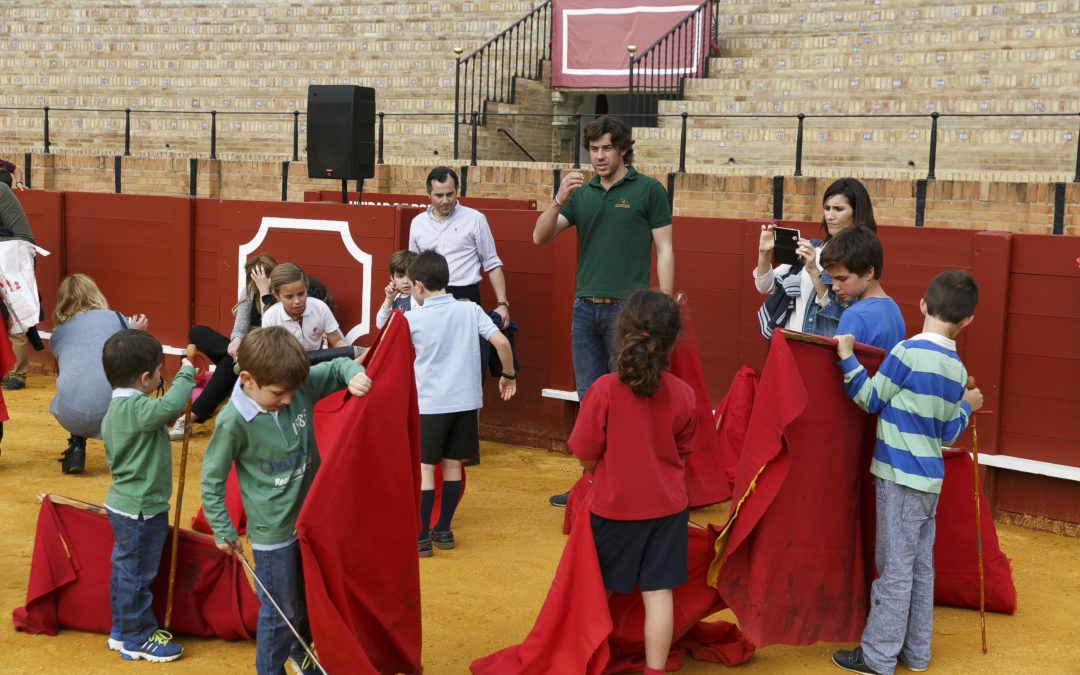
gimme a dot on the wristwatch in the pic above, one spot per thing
(511, 376)
(503, 303)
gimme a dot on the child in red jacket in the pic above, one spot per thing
(633, 432)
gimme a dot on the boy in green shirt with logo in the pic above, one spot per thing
(140, 460)
(266, 431)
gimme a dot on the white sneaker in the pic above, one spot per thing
(176, 433)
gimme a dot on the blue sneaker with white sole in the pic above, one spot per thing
(114, 643)
(158, 648)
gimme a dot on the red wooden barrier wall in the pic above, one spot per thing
(175, 258)
(382, 198)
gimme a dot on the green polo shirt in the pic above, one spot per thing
(615, 233)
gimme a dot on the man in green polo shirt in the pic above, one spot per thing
(619, 215)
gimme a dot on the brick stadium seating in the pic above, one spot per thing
(851, 57)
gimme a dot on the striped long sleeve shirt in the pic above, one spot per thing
(918, 393)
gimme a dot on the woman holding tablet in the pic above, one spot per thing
(800, 297)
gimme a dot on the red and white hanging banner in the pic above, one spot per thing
(589, 39)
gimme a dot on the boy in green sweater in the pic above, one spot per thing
(266, 431)
(140, 460)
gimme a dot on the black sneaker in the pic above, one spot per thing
(13, 385)
(444, 540)
(852, 660)
(559, 500)
(73, 460)
(423, 547)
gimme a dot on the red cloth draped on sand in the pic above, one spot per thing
(956, 575)
(69, 580)
(7, 362)
(798, 560)
(705, 483)
(579, 631)
(359, 523)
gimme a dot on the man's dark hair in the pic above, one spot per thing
(856, 248)
(128, 354)
(430, 269)
(621, 137)
(952, 296)
(5, 177)
(439, 174)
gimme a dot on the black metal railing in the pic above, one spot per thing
(919, 122)
(128, 114)
(517, 145)
(658, 72)
(488, 74)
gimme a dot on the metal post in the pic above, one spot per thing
(47, 144)
(382, 115)
(1076, 176)
(213, 134)
(296, 135)
(117, 161)
(630, 87)
(457, 102)
(475, 115)
(127, 131)
(577, 140)
(28, 165)
(798, 146)
(933, 144)
(682, 144)
(193, 176)
(285, 181)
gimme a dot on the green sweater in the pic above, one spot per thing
(13, 217)
(275, 457)
(138, 450)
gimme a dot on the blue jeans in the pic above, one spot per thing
(902, 597)
(136, 557)
(592, 342)
(280, 571)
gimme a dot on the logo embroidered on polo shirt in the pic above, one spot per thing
(622, 203)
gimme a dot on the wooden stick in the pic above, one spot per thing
(978, 520)
(179, 502)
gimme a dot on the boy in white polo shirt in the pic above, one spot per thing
(448, 388)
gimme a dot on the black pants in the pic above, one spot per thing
(215, 346)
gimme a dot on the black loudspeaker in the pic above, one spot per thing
(340, 131)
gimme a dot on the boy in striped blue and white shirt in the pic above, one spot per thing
(920, 394)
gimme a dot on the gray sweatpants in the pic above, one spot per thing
(902, 597)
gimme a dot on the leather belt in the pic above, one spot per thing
(602, 301)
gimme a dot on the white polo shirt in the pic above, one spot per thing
(311, 330)
(463, 238)
(444, 334)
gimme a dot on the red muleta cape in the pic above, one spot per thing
(705, 478)
(798, 560)
(69, 580)
(359, 523)
(579, 631)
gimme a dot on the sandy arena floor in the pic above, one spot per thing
(485, 594)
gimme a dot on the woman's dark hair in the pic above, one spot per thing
(646, 329)
(621, 136)
(862, 209)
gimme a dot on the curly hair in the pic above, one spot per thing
(646, 329)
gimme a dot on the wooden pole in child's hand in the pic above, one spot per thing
(978, 520)
(179, 501)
